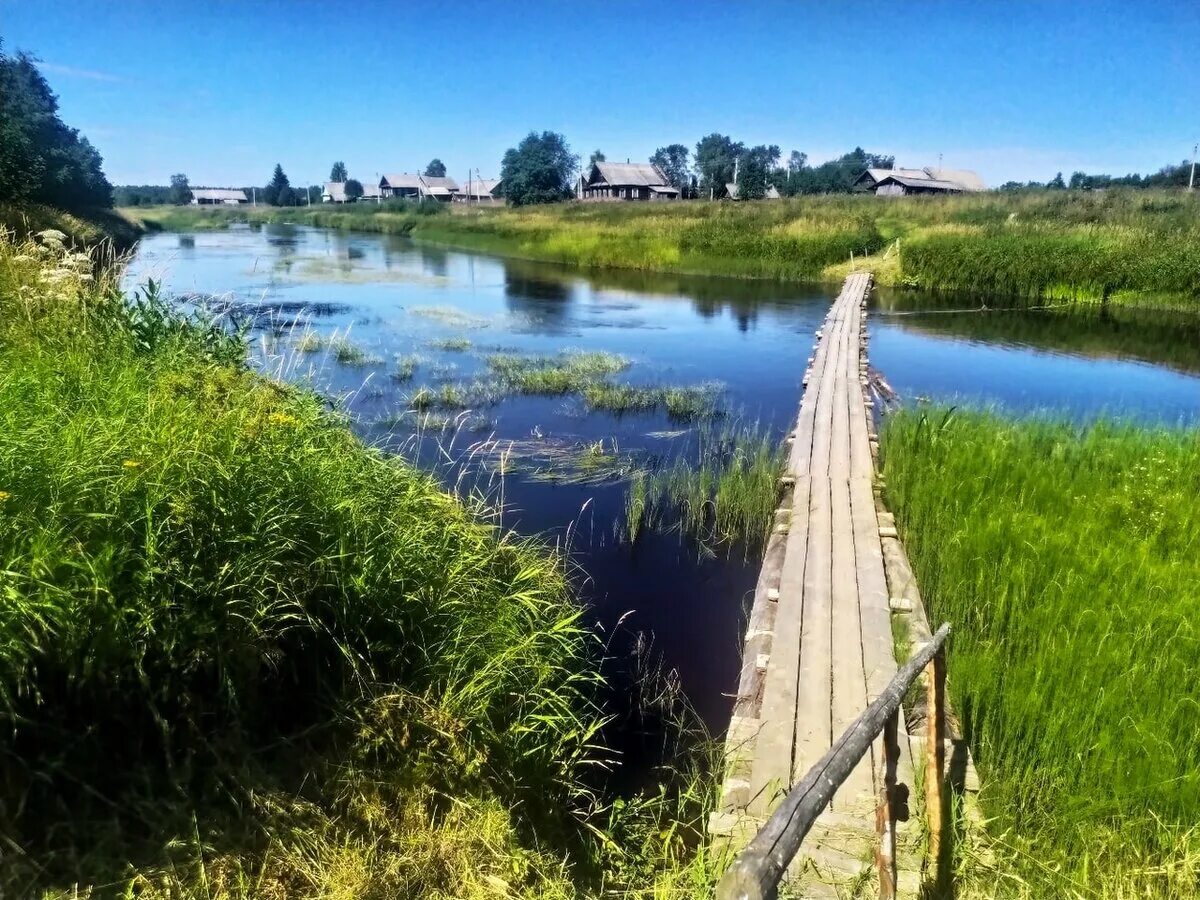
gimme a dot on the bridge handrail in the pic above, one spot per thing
(757, 870)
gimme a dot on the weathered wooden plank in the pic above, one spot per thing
(813, 723)
(771, 772)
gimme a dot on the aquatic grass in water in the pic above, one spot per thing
(568, 372)
(682, 403)
(723, 492)
(1065, 557)
(450, 345)
(350, 354)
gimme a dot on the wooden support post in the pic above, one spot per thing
(885, 818)
(935, 751)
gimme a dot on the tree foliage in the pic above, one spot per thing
(597, 156)
(754, 170)
(436, 169)
(181, 191)
(353, 189)
(673, 160)
(43, 160)
(539, 169)
(279, 191)
(338, 173)
(716, 155)
(837, 176)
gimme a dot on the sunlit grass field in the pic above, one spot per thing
(1066, 559)
(1121, 246)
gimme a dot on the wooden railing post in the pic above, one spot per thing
(935, 751)
(886, 815)
(755, 872)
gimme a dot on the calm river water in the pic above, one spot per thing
(682, 607)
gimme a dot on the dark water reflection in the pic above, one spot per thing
(392, 297)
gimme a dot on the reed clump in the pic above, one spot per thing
(1065, 558)
(724, 490)
(244, 655)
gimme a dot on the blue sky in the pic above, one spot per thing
(223, 90)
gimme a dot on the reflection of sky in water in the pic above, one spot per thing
(754, 337)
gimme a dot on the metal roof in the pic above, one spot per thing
(634, 174)
(403, 180)
(218, 194)
(961, 179)
(926, 182)
(964, 177)
(479, 187)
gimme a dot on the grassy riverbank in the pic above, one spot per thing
(95, 228)
(1131, 247)
(246, 656)
(1065, 557)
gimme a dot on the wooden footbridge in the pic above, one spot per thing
(819, 753)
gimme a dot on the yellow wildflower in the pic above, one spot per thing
(283, 419)
(132, 464)
(4, 495)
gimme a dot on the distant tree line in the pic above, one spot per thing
(43, 160)
(1167, 177)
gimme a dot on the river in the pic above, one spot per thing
(665, 605)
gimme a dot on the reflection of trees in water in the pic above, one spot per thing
(743, 299)
(434, 261)
(546, 300)
(1153, 336)
(284, 238)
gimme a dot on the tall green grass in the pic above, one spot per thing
(242, 655)
(723, 492)
(1066, 558)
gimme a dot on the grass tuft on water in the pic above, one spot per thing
(1065, 557)
(724, 491)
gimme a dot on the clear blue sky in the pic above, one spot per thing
(224, 90)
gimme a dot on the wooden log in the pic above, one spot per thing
(756, 872)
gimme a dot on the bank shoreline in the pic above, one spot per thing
(1135, 249)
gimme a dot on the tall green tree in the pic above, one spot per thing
(436, 169)
(338, 173)
(539, 169)
(597, 156)
(716, 155)
(754, 167)
(353, 189)
(673, 160)
(837, 176)
(279, 191)
(181, 191)
(43, 160)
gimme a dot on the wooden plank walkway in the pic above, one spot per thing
(819, 645)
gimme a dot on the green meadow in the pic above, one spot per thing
(1065, 557)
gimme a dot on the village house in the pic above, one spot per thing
(218, 197)
(418, 187)
(335, 192)
(929, 180)
(479, 190)
(626, 181)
